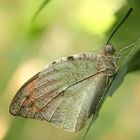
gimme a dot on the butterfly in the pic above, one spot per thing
(68, 91)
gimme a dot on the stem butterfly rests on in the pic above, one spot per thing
(68, 91)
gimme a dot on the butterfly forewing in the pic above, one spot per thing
(66, 93)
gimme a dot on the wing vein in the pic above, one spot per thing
(73, 85)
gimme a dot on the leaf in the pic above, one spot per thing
(125, 67)
(134, 65)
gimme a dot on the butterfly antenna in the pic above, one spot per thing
(123, 20)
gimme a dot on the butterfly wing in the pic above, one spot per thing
(65, 93)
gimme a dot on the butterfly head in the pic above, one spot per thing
(108, 50)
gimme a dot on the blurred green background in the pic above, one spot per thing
(62, 28)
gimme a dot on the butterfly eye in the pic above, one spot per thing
(109, 50)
